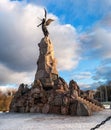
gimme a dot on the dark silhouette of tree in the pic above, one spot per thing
(103, 92)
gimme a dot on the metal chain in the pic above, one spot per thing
(102, 123)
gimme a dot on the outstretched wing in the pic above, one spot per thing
(45, 13)
(49, 21)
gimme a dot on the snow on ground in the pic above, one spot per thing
(107, 106)
(36, 121)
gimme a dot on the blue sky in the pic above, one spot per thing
(81, 34)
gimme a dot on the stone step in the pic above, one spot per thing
(91, 105)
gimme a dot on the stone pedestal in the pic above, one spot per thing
(46, 71)
(50, 93)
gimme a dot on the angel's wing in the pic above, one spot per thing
(49, 21)
(45, 13)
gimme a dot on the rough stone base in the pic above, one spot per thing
(58, 100)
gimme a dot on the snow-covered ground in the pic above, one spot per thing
(107, 106)
(36, 121)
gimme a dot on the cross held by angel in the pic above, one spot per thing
(45, 23)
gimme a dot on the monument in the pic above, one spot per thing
(46, 63)
(49, 92)
(46, 71)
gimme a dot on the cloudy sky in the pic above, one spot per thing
(81, 35)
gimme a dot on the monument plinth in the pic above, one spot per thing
(46, 64)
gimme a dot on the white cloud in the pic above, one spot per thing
(106, 21)
(19, 37)
(8, 76)
(84, 85)
(82, 76)
(103, 73)
(97, 48)
(66, 46)
(97, 42)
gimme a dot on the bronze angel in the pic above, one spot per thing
(45, 23)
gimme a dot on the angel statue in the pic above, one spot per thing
(45, 23)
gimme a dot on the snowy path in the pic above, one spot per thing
(35, 121)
